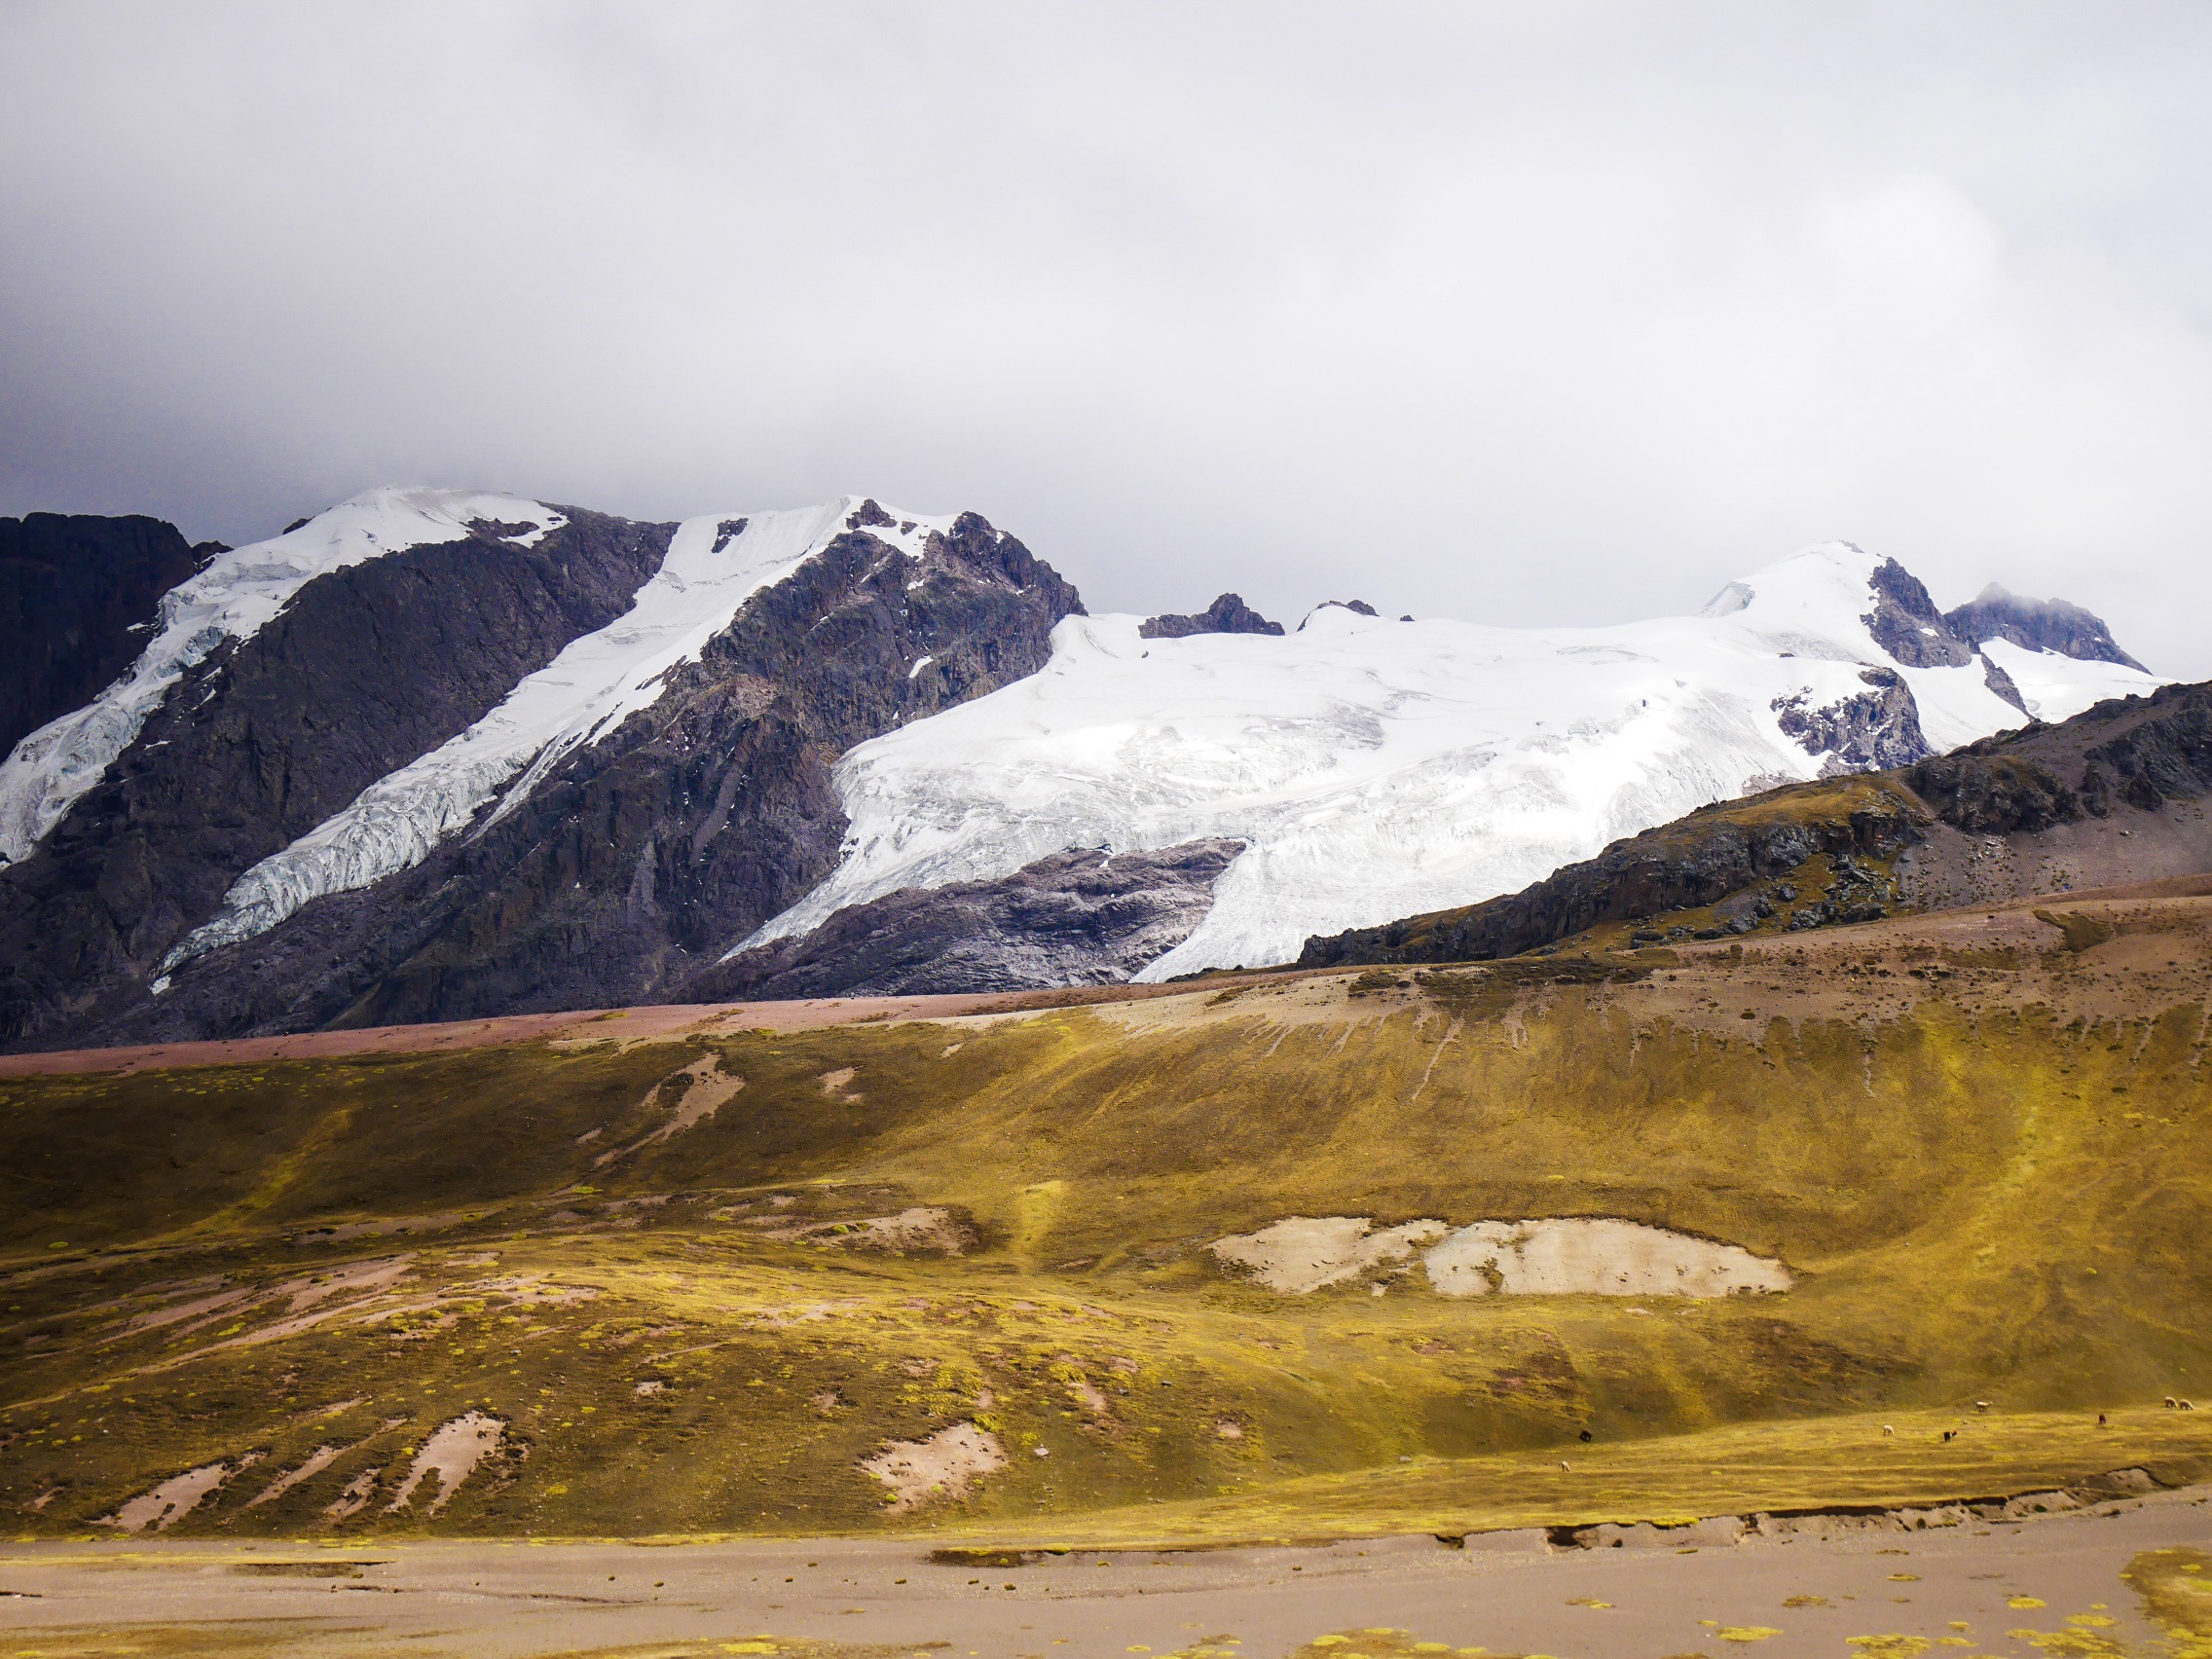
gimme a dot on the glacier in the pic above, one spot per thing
(237, 595)
(1378, 769)
(598, 680)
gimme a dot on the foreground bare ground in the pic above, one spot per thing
(2108, 1582)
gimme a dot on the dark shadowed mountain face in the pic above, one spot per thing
(1076, 918)
(364, 670)
(77, 595)
(1906, 622)
(2040, 624)
(641, 855)
(1228, 614)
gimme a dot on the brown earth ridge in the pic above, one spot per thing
(2118, 788)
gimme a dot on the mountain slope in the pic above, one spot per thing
(75, 591)
(1374, 768)
(702, 1267)
(2112, 796)
(680, 795)
(436, 753)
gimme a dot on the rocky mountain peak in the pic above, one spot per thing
(1228, 614)
(1906, 622)
(2038, 624)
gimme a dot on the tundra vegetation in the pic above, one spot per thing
(959, 1274)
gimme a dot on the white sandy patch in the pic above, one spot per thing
(354, 1498)
(201, 1310)
(709, 1089)
(349, 1280)
(804, 1313)
(834, 1082)
(1560, 1256)
(174, 1498)
(1306, 1252)
(452, 1454)
(1576, 1256)
(923, 1229)
(317, 1461)
(944, 1464)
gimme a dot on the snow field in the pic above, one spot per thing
(1375, 769)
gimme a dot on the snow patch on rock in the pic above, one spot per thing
(2057, 687)
(1578, 1256)
(234, 598)
(1304, 1253)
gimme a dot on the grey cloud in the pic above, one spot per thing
(1509, 313)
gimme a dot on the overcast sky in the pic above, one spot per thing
(1518, 312)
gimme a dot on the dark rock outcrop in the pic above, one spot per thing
(78, 594)
(366, 669)
(1874, 729)
(1228, 614)
(2134, 751)
(1076, 918)
(1906, 622)
(1358, 608)
(1993, 793)
(2001, 684)
(2039, 624)
(1696, 861)
(629, 868)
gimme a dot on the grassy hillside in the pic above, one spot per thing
(1981, 1144)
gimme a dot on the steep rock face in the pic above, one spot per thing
(2140, 753)
(2039, 624)
(1228, 614)
(1074, 918)
(76, 591)
(640, 856)
(364, 669)
(1876, 728)
(2002, 683)
(1906, 622)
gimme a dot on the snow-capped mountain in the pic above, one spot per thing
(438, 752)
(1378, 768)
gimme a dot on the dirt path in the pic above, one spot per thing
(1984, 1590)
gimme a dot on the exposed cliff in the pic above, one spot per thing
(76, 591)
(632, 864)
(1076, 918)
(2040, 624)
(363, 670)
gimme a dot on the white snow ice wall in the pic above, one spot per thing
(233, 598)
(596, 683)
